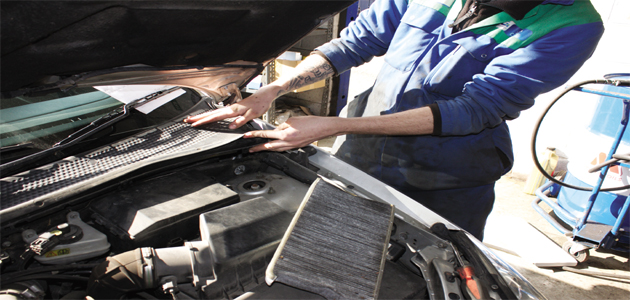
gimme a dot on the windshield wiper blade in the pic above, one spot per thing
(17, 147)
(83, 133)
(111, 118)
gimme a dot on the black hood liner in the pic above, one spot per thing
(47, 38)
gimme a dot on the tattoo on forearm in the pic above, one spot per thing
(311, 75)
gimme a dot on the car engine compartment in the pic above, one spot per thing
(199, 225)
(232, 210)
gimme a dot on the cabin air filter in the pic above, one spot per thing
(335, 245)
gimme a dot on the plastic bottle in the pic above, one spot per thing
(549, 161)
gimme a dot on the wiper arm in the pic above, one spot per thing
(109, 119)
(85, 132)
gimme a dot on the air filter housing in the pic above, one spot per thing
(335, 245)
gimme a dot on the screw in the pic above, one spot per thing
(450, 277)
(239, 170)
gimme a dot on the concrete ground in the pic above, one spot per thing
(556, 283)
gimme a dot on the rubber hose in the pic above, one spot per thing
(32, 290)
(143, 268)
(117, 276)
(542, 117)
(13, 275)
(47, 276)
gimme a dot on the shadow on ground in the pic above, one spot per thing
(556, 283)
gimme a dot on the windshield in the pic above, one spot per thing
(44, 119)
(36, 122)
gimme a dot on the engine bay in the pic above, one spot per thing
(241, 203)
(204, 230)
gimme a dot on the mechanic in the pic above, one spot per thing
(433, 124)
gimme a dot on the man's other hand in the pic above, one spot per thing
(294, 133)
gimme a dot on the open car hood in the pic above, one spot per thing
(47, 42)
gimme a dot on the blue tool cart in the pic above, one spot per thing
(592, 214)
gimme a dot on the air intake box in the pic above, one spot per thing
(159, 212)
(243, 238)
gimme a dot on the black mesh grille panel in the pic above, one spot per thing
(172, 138)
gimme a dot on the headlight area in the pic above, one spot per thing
(521, 287)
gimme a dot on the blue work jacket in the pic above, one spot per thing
(478, 78)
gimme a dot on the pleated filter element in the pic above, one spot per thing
(335, 245)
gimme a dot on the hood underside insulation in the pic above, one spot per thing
(44, 39)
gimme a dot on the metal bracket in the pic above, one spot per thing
(147, 265)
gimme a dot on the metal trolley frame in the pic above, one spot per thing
(585, 230)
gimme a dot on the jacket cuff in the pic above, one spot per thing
(437, 119)
(317, 52)
(339, 55)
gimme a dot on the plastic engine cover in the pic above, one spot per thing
(160, 212)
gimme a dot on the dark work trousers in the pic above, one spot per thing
(468, 208)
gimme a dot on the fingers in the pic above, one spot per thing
(218, 115)
(279, 142)
(211, 116)
(294, 133)
(192, 119)
(243, 119)
(246, 110)
(275, 145)
(268, 134)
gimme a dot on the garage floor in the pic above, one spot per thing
(556, 283)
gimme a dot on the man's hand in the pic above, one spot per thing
(301, 131)
(250, 108)
(314, 68)
(294, 133)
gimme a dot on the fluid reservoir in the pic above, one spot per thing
(92, 243)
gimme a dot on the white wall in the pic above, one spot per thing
(564, 127)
